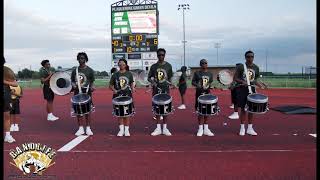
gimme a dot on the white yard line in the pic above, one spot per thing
(72, 143)
(313, 135)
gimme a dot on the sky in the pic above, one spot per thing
(282, 33)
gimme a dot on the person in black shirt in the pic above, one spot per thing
(86, 79)
(121, 83)
(242, 90)
(202, 80)
(183, 86)
(45, 74)
(159, 76)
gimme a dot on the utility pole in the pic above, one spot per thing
(217, 45)
(184, 7)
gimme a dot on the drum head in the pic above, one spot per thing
(122, 100)
(225, 77)
(257, 98)
(208, 99)
(80, 98)
(161, 99)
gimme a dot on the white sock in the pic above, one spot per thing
(121, 127)
(126, 128)
(50, 114)
(201, 126)
(236, 113)
(80, 127)
(164, 126)
(88, 126)
(249, 126)
(159, 126)
(206, 126)
(242, 126)
(8, 133)
(15, 124)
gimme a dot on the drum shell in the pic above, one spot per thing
(162, 107)
(123, 108)
(208, 107)
(257, 106)
(83, 106)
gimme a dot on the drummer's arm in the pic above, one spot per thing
(194, 80)
(238, 80)
(11, 83)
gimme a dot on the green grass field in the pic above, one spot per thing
(271, 82)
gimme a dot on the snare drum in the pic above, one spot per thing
(81, 104)
(257, 103)
(208, 105)
(122, 106)
(161, 104)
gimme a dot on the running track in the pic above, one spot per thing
(283, 148)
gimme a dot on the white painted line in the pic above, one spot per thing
(295, 134)
(73, 143)
(276, 134)
(313, 135)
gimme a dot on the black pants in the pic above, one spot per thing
(47, 93)
(15, 106)
(241, 95)
(7, 104)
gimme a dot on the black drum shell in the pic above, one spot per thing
(123, 106)
(162, 104)
(81, 104)
(208, 105)
(257, 103)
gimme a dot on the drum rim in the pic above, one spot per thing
(207, 101)
(83, 102)
(162, 102)
(257, 100)
(122, 102)
(223, 81)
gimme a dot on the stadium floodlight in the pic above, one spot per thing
(184, 7)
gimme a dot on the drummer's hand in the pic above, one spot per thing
(115, 91)
(92, 88)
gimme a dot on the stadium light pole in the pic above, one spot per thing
(217, 45)
(184, 7)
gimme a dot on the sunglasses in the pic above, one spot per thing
(203, 63)
(161, 55)
(249, 56)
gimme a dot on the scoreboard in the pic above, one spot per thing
(134, 43)
(134, 33)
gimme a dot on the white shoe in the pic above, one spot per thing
(155, 118)
(207, 132)
(166, 132)
(80, 131)
(16, 127)
(120, 133)
(251, 132)
(156, 132)
(182, 106)
(52, 118)
(12, 128)
(232, 106)
(9, 139)
(200, 132)
(234, 115)
(127, 133)
(242, 131)
(88, 131)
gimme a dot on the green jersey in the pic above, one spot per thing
(253, 72)
(122, 81)
(161, 74)
(44, 73)
(86, 76)
(202, 80)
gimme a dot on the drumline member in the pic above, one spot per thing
(234, 106)
(182, 86)
(121, 83)
(159, 76)
(242, 90)
(45, 74)
(113, 70)
(202, 80)
(8, 80)
(15, 111)
(86, 79)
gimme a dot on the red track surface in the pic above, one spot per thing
(282, 150)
